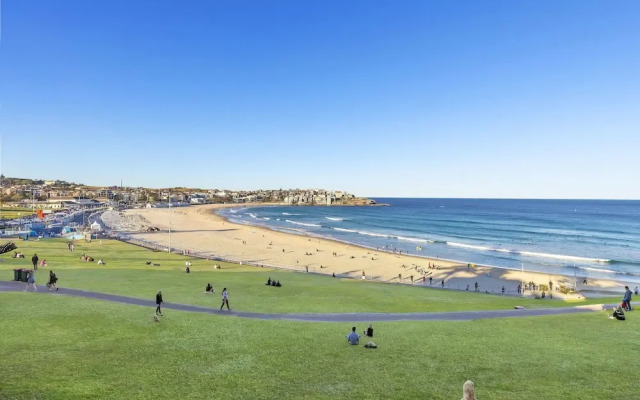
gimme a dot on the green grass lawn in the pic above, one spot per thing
(126, 273)
(58, 347)
(13, 212)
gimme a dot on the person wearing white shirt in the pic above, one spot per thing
(225, 299)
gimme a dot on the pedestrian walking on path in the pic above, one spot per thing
(53, 281)
(159, 301)
(34, 260)
(31, 281)
(225, 299)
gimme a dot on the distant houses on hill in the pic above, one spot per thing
(57, 194)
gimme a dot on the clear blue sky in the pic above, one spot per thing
(537, 99)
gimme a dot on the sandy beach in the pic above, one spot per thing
(199, 230)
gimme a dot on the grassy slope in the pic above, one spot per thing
(126, 273)
(12, 213)
(56, 347)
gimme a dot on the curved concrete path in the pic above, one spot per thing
(324, 317)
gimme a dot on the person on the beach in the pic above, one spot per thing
(369, 331)
(363, 275)
(476, 286)
(31, 281)
(34, 260)
(353, 337)
(430, 280)
(626, 300)
(159, 301)
(225, 299)
(442, 283)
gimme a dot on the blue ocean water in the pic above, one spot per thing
(587, 238)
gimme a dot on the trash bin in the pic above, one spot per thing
(16, 274)
(24, 274)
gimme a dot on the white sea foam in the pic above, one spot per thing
(414, 240)
(469, 246)
(598, 269)
(345, 230)
(563, 257)
(286, 213)
(266, 218)
(530, 253)
(252, 215)
(302, 223)
(334, 218)
(374, 234)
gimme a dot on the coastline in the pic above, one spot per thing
(201, 229)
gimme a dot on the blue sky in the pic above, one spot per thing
(534, 99)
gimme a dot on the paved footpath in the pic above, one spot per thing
(335, 317)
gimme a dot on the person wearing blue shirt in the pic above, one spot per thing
(353, 337)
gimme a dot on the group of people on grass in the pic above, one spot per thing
(354, 339)
(273, 282)
(619, 311)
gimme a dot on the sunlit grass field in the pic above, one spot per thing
(126, 273)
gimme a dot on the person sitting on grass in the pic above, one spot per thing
(269, 281)
(618, 314)
(209, 288)
(101, 262)
(278, 284)
(369, 331)
(353, 337)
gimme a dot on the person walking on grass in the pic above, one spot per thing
(626, 300)
(159, 301)
(31, 280)
(225, 299)
(34, 260)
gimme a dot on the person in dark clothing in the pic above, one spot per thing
(369, 331)
(209, 288)
(34, 260)
(269, 281)
(53, 279)
(278, 284)
(626, 300)
(618, 314)
(159, 301)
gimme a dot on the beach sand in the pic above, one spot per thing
(199, 230)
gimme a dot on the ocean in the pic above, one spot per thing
(583, 238)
